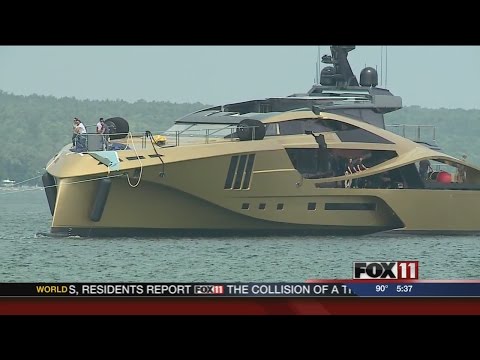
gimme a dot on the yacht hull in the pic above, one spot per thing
(155, 209)
(274, 204)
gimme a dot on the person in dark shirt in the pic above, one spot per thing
(462, 171)
(349, 169)
(424, 168)
(359, 166)
(74, 131)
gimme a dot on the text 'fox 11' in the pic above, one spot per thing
(384, 270)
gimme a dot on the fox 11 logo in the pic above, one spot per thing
(382, 270)
(208, 289)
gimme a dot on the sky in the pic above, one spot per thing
(427, 76)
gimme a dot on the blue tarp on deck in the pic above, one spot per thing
(109, 158)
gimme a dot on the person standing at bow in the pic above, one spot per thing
(80, 131)
(74, 133)
(102, 130)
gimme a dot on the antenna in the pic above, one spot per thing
(386, 65)
(318, 67)
(381, 65)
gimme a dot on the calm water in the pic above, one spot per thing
(28, 257)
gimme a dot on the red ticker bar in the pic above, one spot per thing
(239, 306)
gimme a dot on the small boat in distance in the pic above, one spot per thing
(7, 183)
(320, 162)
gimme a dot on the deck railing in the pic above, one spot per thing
(140, 140)
(418, 133)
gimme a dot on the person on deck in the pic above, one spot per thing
(102, 130)
(358, 166)
(424, 168)
(349, 169)
(80, 139)
(74, 134)
(461, 171)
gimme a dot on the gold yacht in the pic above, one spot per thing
(320, 162)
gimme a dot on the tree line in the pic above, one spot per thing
(35, 127)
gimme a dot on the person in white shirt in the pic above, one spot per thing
(80, 141)
(102, 130)
(80, 128)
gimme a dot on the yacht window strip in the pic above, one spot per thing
(231, 172)
(248, 171)
(240, 172)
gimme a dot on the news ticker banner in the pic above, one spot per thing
(312, 288)
(369, 279)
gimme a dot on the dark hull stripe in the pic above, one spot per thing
(232, 233)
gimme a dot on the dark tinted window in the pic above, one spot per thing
(300, 126)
